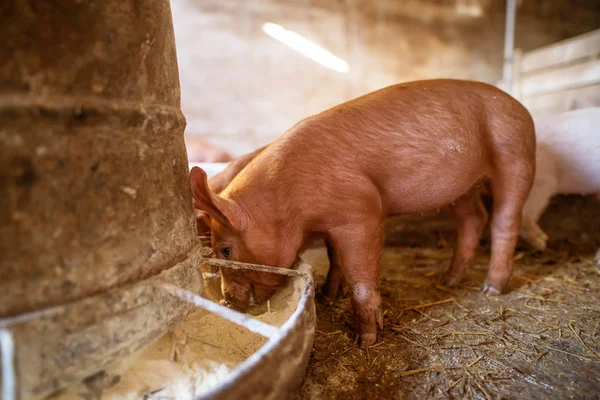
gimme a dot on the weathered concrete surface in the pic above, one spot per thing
(93, 172)
(78, 340)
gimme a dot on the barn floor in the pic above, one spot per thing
(540, 340)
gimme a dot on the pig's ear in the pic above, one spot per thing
(198, 212)
(227, 212)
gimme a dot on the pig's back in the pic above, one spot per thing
(423, 144)
(573, 140)
(445, 117)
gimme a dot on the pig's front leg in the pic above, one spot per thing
(334, 275)
(358, 248)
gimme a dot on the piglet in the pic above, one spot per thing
(407, 148)
(568, 162)
(220, 181)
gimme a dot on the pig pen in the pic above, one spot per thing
(539, 340)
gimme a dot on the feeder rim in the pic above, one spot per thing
(246, 365)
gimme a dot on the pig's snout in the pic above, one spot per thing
(236, 295)
(242, 296)
(242, 289)
(261, 294)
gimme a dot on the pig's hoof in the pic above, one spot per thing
(451, 279)
(331, 290)
(329, 295)
(379, 319)
(346, 289)
(367, 339)
(536, 238)
(490, 290)
(539, 243)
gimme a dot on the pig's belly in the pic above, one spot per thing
(429, 170)
(577, 162)
(580, 175)
(430, 192)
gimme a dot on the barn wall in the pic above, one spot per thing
(242, 89)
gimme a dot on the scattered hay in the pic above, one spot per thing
(540, 340)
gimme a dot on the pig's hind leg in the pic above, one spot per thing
(358, 247)
(535, 206)
(471, 218)
(510, 189)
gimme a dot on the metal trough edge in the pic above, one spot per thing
(30, 367)
(284, 357)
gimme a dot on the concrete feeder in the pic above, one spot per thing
(99, 254)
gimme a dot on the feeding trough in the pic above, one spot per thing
(109, 346)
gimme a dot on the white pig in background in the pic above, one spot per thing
(567, 162)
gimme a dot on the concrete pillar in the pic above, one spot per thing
(93, 169)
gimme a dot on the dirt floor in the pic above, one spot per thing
(539, 340)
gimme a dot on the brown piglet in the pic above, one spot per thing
(404, 149)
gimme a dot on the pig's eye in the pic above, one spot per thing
(226, 251)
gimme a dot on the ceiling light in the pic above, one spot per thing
(305, 47)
